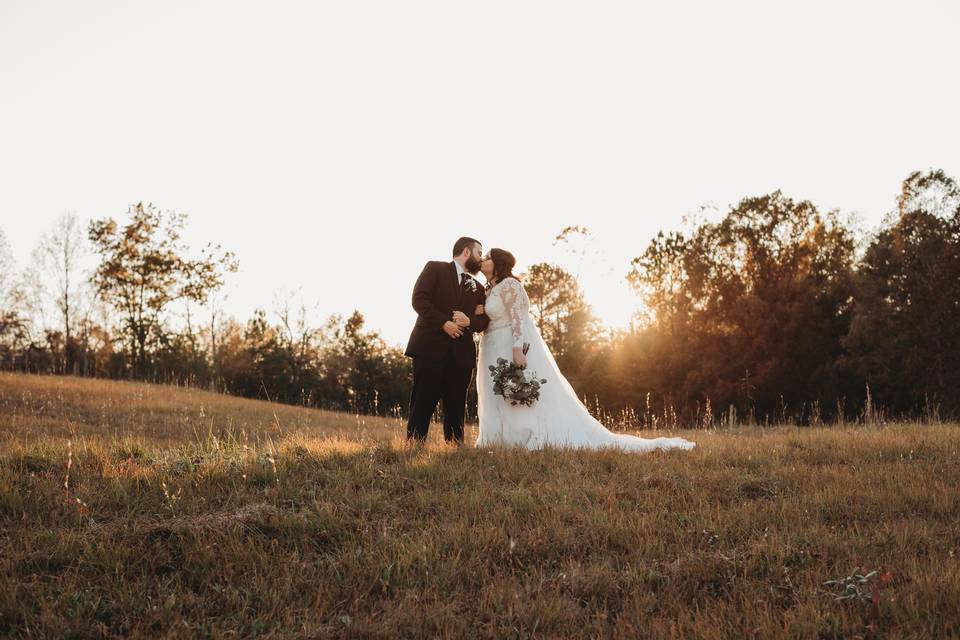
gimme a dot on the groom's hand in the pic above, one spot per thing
(451, 329)
(461, 319)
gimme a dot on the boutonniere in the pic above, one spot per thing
(472, 284)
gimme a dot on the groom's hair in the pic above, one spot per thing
(462, 244)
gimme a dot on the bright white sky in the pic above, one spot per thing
(336, 146)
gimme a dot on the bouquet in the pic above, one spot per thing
(515, 383)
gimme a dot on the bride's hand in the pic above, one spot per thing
(519, 357)
(479, 311)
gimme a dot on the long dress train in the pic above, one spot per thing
(558, 418)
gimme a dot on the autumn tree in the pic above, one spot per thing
(57, 257)
(905, 335)
(13, 327)
(143, 269)
(7, 273)
(360, 370)
(563, 317)
(750, 310)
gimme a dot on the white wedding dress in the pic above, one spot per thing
(558, 418)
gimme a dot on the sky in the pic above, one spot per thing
(335, 147)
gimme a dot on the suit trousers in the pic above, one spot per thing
(435, 380)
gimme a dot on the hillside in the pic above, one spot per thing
(61, 407)
(178, 513)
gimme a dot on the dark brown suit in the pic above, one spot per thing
(442, 366)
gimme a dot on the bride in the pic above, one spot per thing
(558, 418)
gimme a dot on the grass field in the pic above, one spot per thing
(131, 510)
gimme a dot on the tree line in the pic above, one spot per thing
(774, 311)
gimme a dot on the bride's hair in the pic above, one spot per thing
(503, 264)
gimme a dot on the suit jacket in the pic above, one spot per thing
(436, 295)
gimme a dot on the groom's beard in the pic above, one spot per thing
(472, 266)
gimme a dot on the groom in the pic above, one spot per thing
(441, 344)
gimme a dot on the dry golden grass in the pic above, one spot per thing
(65, 407)
(176, 513)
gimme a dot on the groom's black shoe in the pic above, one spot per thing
(453, 435)
(414, 436)
(416, 444)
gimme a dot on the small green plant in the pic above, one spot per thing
(855, 587)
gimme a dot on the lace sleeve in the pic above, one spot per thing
(512, 296)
